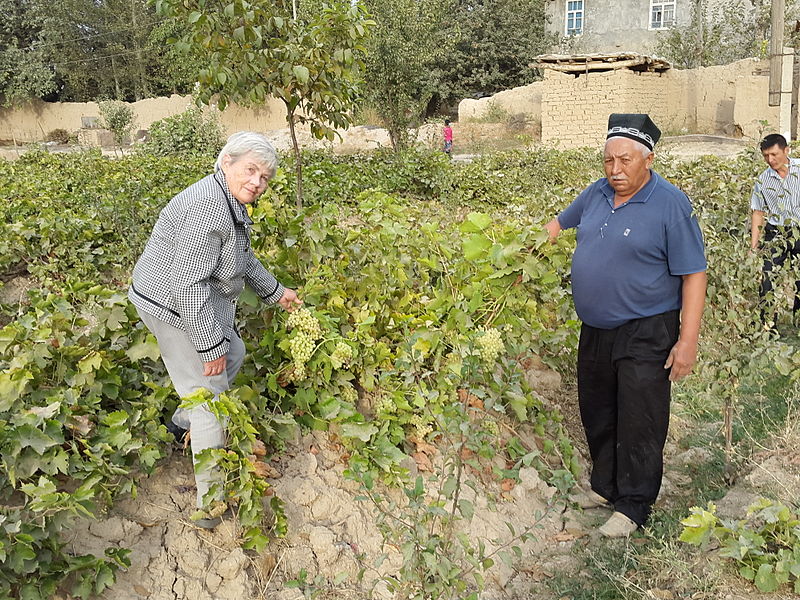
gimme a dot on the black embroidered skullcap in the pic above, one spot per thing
(636, 127)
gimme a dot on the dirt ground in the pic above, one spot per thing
(472, 139)
(691, 147)
(333, 535)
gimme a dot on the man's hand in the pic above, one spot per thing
(553, 229)
(681, 359)
(289, 301)
(215, 367)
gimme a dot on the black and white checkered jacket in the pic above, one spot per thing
(196, 263)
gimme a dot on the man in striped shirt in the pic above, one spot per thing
(776, 198)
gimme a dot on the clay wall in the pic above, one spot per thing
(33, 121)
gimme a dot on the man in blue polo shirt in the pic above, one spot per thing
(639, 283)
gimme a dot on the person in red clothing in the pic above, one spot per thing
(448, 137)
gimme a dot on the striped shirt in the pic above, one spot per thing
(196, 263)
(778, 197)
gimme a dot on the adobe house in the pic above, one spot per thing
(580, 91)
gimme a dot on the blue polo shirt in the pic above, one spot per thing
(629, 260)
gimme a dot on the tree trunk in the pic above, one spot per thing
(776, 52)
(298, 159)
(729, 473)
(117, 89)
(700, 24)
(141, 88)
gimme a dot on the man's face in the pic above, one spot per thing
(776, 157)
(626, 167)
(247, 177)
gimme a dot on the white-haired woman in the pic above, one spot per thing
(189, 277)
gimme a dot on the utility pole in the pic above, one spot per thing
(776, 51)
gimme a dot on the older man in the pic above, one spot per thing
(776, 197)
(189, 277)
(638, 282)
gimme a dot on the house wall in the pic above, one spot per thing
(575, 109)
(618, 26)
(33, 121)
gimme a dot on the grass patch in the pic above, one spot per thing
(654, 559)
(762, 410)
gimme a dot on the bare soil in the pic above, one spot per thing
(331, 534)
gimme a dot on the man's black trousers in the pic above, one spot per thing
(623, 393)
(780, 244)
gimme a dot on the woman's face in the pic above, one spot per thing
(247, 177)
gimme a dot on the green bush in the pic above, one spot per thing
(494, 113)
(401, 290)
(190, 132)
(405, 261)
(765, 545)
(118, 118)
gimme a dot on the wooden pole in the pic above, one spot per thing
(776, 51)
(795, 97)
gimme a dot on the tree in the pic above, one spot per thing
(97, 47)
(118, 118)
(411, 39)
(78, 50)
(720, 33)
(307, 58)
(497, 43)
(170, 71)
(24, 72)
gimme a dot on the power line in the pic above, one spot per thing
(85, 60)
(36, 45)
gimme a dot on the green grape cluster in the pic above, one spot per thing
(349, 394)
(301, 346)
(297, 373)
(302, 343)
(490, 345)
(490, 426)
(302, 320)
(384, 404)
(342, 355)
(421, 426)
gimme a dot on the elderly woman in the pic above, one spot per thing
(189, 277)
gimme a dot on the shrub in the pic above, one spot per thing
(117, 117)
(517, 121)
(494, 113)
(59, 135)
(190, 132)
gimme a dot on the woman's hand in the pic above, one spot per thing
(289, 301)
(215, 367)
